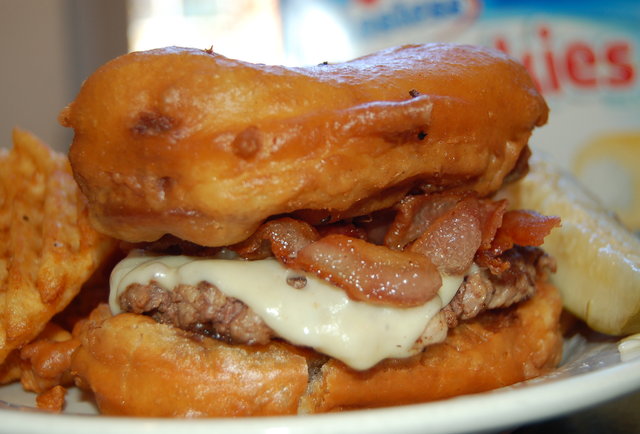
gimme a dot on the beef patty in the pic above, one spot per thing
(206, 310)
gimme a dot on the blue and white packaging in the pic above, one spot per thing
(583, 56)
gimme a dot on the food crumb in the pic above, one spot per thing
(52, 400)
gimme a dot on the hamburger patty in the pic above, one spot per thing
(206, 310)
(203, 309)
(483, 290)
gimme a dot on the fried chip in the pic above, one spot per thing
(47, 248)
(52, 400)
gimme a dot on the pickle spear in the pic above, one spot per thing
(598, 257)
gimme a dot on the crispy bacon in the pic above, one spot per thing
(525, 228)
(431, 233)
(451, 240)
(282, 238)
(371, 273)
(519, 227)
(447, 227)
(348, 229)
(491, 214)
(415, 214)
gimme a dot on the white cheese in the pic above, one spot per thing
(318, 315)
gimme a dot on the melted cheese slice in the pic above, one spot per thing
(319, 315)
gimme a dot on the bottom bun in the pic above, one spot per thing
(137, 367)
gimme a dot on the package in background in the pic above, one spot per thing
(583, 56)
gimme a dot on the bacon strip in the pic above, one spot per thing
(415, 214)
(432, 233)
(525, 228)
(371, 273)
(447, 227)
(491, 215)
(282, 238)
(519, 227)
(453, 239)
(348, 229)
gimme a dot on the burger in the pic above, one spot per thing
(311, 239)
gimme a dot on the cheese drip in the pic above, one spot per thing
(319, 315)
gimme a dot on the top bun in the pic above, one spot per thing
(191, 143)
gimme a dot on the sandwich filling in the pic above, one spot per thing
(316, 314)
(359, 291)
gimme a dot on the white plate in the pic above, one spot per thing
(591, 373)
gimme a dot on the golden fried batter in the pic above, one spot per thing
(136, 366)
(52, 400)
(191, 143)
(45, 362)
(48, 248)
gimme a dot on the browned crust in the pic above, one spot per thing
(191, 143)
(138, 367)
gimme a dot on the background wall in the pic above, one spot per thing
(47, 47)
